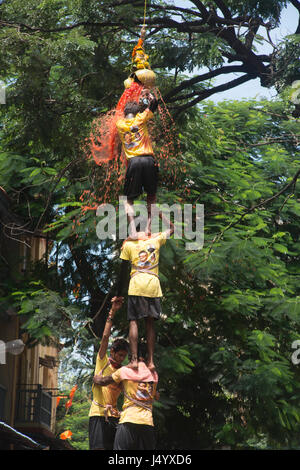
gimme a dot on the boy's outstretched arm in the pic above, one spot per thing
(153, 103)
(170, 231)
(116, 304)
(103, 381)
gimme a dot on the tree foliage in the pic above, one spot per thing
(221, 36)
(239, 295)
(74, 419)
(231, 310)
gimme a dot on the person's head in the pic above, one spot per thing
(119, 350)
(132, 107)
(143, 256)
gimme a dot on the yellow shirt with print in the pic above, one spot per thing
(141, 392)
(103, 396)
(144, 255)
(134, 134)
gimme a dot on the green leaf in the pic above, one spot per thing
(280, 248)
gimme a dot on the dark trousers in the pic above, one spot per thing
(131, 436)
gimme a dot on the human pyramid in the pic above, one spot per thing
(132, 428)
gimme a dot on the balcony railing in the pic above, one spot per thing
(34, 405)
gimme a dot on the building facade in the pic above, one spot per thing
(28, 375)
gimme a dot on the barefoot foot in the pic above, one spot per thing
(133, 365)
(151, 366)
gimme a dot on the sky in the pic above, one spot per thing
(253, 89)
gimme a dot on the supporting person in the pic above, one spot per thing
(144, 290)
(104, 415)
(135, 430)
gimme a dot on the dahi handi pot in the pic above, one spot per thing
(146, 77)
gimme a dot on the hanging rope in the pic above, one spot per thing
(145, 9)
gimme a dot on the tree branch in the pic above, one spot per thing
(292, 183)
(206, 93)
(57, 30)
(206, 76)
(174, 8)
(201, 20)
(57, 180)
(201, 8)
(221, 5)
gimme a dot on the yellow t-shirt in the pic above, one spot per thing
(134, 134)
(144, 255)
(103, 396)
(138, 398)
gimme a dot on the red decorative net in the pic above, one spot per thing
(105, 148)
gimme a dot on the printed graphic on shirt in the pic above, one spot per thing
(134, 134)
(132, 138)
(147, 257)
(145, 391)
(144, 258)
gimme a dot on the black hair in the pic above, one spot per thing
(132, 107)
(120, 344)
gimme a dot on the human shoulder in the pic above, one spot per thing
(128, 244)
(145, 115)
(117, 375)
(123, 123)
(101, 362)
(160, 237)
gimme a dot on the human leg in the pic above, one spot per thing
(150, 181)
(151, 200)
(130, 214)
(133, 343)
(150, 334)
(132, 189)
(146, 437)
(96, 440)
(125, 437)
(131, 436)
(140, 307)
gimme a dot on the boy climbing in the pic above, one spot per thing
(142, 170)
(144, 290)
(103, 415)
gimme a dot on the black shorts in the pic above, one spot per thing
(131, 436)
(141, 176)
(142, 307)
(101, 432)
